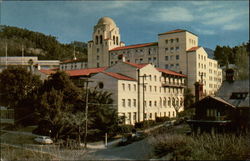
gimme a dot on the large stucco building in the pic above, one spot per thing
(163, 90)
(177, 50)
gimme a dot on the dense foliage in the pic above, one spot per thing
(19, 89)
(62, 109)
(238, 55)
(37, 44)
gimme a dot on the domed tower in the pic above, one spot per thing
(105, 36)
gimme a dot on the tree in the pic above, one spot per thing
(18, 87)
(188, 98)
(59, 98)
(242, 63)
(62, 105)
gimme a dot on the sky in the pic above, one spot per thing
(215, 22)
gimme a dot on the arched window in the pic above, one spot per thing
(173, 101)
(117, 40)
(101, 39)
(96, 40)
(114, 39)
(169, 101)
(164, 102)
(177, 102)
(160, 102)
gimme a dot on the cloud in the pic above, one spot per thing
(200, 3)
(232, 26)
(205, 31)
(222, 16)
(172, 14)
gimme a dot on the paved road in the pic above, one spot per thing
(139, 150)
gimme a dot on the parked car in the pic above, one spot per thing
(43, 140)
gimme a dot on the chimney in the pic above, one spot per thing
(121, 58)
(229, 75)
(198, 91)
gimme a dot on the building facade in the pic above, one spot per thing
(176, 50)
(141, 91)
(27, 61)
(72, 65)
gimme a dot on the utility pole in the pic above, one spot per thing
(86, 113)
(143, 95)
(138, 94)
(22, 54)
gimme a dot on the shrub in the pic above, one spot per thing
(162, 119)
(204, 147)
(145, 124)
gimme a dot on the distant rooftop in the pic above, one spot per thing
(135, 46)
(176, 31)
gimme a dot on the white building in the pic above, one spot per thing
(73, 64)
(177, 50)
(163, 90)
(27, 61)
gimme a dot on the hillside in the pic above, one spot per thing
(38, 44)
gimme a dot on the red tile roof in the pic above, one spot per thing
(47, 71)
(193, 48)
(175, 31)
(72, 61)
(136, 65)
(118, 76)
(170, 72)
(84, 72)
(135, 46)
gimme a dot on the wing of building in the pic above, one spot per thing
(177, 50)
(162, 94)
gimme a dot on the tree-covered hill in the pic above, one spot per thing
(37, 44)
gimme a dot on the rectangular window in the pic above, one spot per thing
(177, 48)
(177, 39)
(123, 102)
(154, 60)
(134, 117)
(129, 102)
(172, 40)
(166, 49)
(166, 58)
(150, 103)
(177, 65)
(166, 66)
(177, 57)
(149, 60)
(134, 102)
(166, 41)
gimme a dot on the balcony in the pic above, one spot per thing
(173, 84)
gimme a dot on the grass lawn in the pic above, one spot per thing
(14, 153)
(17, 139)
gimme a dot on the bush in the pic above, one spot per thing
(204, 147)
(145, 124)
(162, 119)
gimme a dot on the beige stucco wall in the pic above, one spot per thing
(127, 91)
